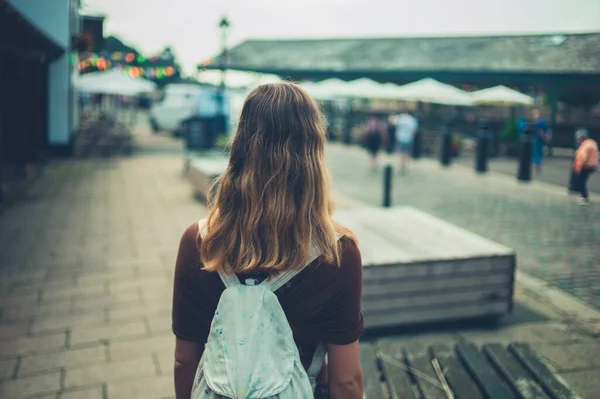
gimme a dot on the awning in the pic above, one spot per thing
(21, 39)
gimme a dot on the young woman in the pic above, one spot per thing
(272, 205)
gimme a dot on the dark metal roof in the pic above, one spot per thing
(530, 54)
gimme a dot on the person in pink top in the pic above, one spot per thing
(585, 164)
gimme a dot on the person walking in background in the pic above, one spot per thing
(541, 137)
(585, 164)
(406, 128)
(374, 137)
(270, 231)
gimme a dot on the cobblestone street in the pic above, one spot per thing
(555, 239)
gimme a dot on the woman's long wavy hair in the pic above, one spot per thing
(273, 202)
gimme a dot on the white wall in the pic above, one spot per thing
(55, 19)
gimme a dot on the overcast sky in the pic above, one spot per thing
(190, 26)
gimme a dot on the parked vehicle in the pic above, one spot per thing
(181, 102)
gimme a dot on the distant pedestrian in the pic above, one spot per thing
(585, 164)
(406, 128)
(374, 137)
(541, 137)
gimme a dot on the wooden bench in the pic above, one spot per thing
(202, 173)
(420, 269)
(395, 370)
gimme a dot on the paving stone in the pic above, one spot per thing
(141, 347)
(62, 323)
(580, 382)
(148, 388)
(28, 386)
(10, 330)
(110, 372)
(569, 357)
(82, 335)
(28, 345)
(91, 393)
(7, 368)
(68, 357)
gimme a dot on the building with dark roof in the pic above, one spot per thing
(566, 62)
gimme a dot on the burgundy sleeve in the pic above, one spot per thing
(189, 315)
(344, 321)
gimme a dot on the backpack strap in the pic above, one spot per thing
(283, 278)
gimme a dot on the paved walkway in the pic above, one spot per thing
(555, 239)
(86, 274)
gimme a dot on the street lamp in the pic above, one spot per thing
(224, 29)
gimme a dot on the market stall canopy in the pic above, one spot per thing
(501, 95)
(327, 89)
(115, 82)
(431, 91)
(237, 79)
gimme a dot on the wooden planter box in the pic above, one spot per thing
(420, 269)
(202, 173)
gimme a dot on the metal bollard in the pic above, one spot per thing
(446, 150)
(482, 151)
(525, 156)
(416, 147)
(388, 171)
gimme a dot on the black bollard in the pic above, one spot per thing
(347, 135)
(481, 155)
(525, 155)
(416, 145)
(446, 150)
(388, 171)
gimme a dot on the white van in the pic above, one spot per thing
(183, 101)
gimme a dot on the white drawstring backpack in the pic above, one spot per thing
(250, 352)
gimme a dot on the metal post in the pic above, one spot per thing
(388, 171)
(481, 156)
(446, 150)
(417, 141)
(525, 155)
(348, 125)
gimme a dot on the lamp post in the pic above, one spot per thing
(221, 123)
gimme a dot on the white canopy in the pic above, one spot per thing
(237, 79)
(114, 81)
(327, 89)
(500, 95)
(431, 91)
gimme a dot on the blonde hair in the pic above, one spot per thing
(273, 202)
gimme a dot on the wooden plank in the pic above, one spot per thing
(483, 373)
(496, 265)
(371, 373)
(393, 286)
(420, 360)
(398, 318)
(394, 373)
(514, 372)
(409, 224)
(458, 378)
(452, 231)
(554, 385)
(424, 242)
(441, 300)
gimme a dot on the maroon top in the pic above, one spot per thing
(322, 303)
